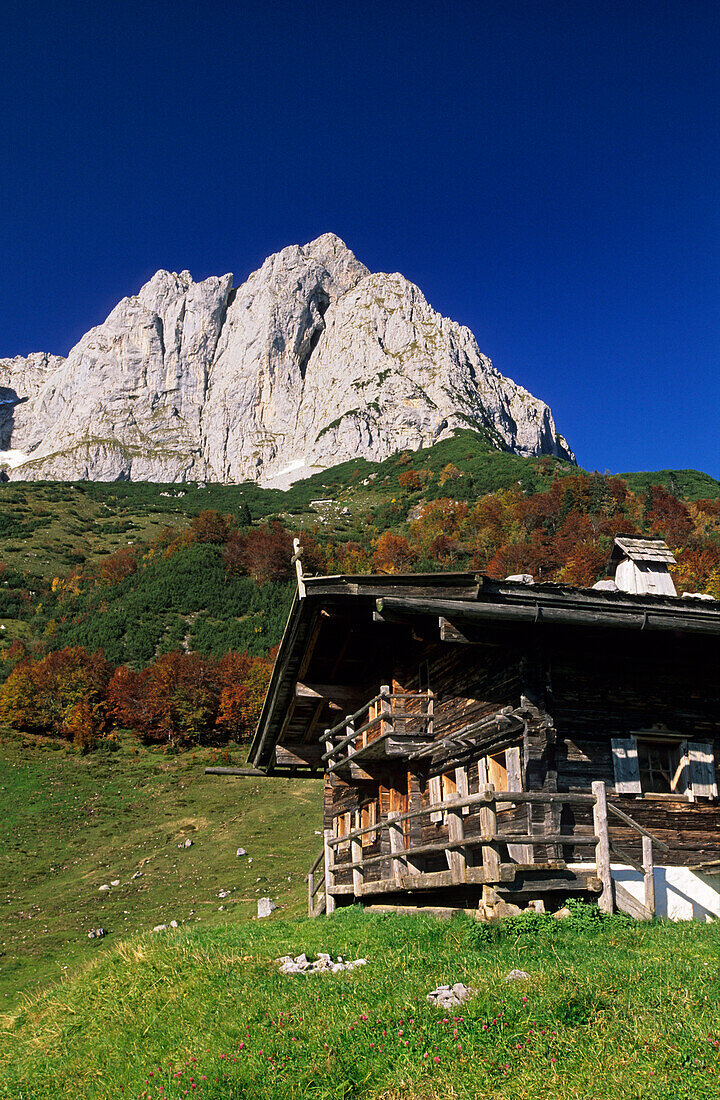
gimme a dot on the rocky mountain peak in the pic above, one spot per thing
(311, 361)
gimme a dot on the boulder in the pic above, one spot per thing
(265, 906)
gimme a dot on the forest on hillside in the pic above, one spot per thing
(172, 635)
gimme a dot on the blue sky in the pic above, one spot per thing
(548, 173)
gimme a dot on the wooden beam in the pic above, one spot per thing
(294, 753)
(259, 772)
(538, 610)
(338, 696)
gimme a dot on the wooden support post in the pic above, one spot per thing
(397, 847)
(649, 874)
(328, 748)
(488, 825)
(356, 854)
(386, 725)
(600, 824)
(351, 747)
(311, 893)
(456, 834)
(329, 872)
(297, 560)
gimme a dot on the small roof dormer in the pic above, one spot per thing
(642, 566)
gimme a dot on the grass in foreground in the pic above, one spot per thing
(71, 824)
(611, 1009)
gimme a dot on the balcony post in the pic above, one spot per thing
(397, 847)
(649, 874)
(488, 824)
(356, 854)
(456, 834)
(602, 856)
(329, 872)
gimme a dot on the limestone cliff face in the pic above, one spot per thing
(310, 362)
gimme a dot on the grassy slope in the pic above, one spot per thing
(614, 1012)
(72, 823)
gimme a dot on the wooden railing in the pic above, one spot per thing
(622, 897)
(388, 723)
(404, 862)
(315, 879)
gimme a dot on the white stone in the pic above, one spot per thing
(103, 888)
(240, 852)
(115, 882)
(173, 924)
(265, 907)
(312, 361)
(160, 928)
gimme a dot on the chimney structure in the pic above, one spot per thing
(642, 566)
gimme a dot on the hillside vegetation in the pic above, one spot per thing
(157, 607)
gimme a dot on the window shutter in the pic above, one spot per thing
(625, 765)
(436, 796)
(702, 769)
(512, 762)
(461, 782)
(681, 777)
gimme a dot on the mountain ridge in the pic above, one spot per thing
(311, 361)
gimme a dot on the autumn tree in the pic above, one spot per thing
(211, 526)
(392, 554)
(64, 694)
(263, 553)
(117, 567)
(410, 481)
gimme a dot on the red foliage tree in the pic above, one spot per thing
(211, 526)
(115, 568)
(263, 553)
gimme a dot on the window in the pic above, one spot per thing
(662, 767)
(343, 828)
(497, 771)
(502, 769)
(670, 767)
(368, 817)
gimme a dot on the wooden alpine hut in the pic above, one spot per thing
(489, 744)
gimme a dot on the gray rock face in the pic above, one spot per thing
(310, 362)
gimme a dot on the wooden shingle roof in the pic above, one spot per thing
(654, 550)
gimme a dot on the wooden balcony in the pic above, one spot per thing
(390, 727)
(345, 868)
